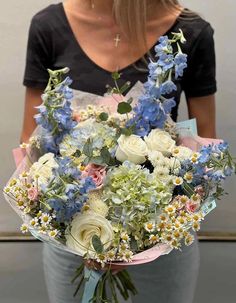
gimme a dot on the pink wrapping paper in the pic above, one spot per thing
(147, 256)
(196, 142)
(18, 155)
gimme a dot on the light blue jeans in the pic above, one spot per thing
(169, 279)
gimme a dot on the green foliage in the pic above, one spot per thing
(103, 116)
(124, 108)
(116, 76)
(97, 244)
(88, 149)
(77, 154)
(115, 282)
(124, 87)
(126, 131)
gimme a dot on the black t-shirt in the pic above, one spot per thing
(52, 44)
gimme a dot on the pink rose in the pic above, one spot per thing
(192, 206)
(33, 194)
(96, 172)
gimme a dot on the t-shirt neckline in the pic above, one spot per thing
(97, 66)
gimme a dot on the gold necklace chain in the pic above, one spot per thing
(117, 38)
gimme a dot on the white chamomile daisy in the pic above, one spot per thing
(177, 235)
(34, 222)
(196, 198)
(43, 229)
(45, 218)
(196, 226)
(194, 158)
(188, 239)
(182, 220)
(123, 246)
(175, 244)
(101, 258)
(164, 217)
(183, 199)
(127, 256)
(111, 255)
(170, 209)
(150, 227)
(27, 210)
(167, 238)
(153, 239)
(24, 228)
(20, 204)
(197, 217)
(178, 181)
(53, 233)
(188, 177)
(124, 237)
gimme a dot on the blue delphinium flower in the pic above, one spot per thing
(166, 62)
(55, 114)
(68, 168)
(68, 191)
(155, 105)
(168, 87)
(163, 47)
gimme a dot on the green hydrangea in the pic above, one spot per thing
(134, 196)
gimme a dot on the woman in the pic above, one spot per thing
(95, 38)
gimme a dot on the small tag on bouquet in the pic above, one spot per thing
(188, 126)
(208, 206)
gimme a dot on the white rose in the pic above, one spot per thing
(160, 140)
(84, 227)
(131, 148)
(96, 204)
(43, 168)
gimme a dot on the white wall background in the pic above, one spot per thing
(14, 22)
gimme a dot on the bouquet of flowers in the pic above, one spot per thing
(118, 183)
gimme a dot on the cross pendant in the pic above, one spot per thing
(117, 40)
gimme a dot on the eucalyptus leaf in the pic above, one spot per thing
(97, 244)
(116, 75)
(103, 116)
(106, 156)
(126, 131)
(88, 148)
(124, 108)
(97, 160)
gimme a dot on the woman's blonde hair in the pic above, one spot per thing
(132, 16)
